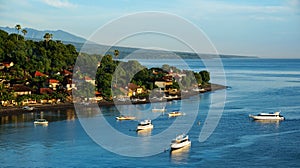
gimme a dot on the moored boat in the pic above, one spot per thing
(175, 114)
(143, 125)
(27, 108)
(125, 117)
(159, 109)
(180, 141)
(40, 121)
(267, 116)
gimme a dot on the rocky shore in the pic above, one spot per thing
(14, 110)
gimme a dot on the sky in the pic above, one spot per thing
(263, 28)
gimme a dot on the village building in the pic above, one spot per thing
(19, 90)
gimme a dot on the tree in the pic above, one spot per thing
(48, 36)
(198, 78)
(18, 27)
(205, 76)
(116, 53)
(24, 31)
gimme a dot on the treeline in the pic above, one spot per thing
(46, 56)
(112, 76)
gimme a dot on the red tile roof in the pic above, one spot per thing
(53, 81)
(132, 86)
(37, 73)
(66, 72)
(21, 88)
(45, 90)
(87, 78)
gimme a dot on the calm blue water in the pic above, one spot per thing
(256, 85)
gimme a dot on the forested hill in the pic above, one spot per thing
(46, 56)
(38, 34)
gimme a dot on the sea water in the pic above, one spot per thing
(255, 85)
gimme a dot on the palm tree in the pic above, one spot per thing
(24, 31)
(18, 27)
(116, 53)
(48, 36)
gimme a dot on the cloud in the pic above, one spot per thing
(59, 3)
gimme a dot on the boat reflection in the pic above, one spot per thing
(144, 133)
(267, 121)
(67, 114)
(180, 155)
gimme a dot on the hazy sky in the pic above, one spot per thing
(265, 28)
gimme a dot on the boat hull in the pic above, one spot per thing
(146, 127)
(175, 146)
(40, 123)
(266, 118)
(125, 118)
(175, 114)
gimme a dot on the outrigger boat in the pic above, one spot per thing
(267, 116)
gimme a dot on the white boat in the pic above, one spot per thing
(159, 109)
(180, 141)
(121, 117)
(175, 114)
(143, 125)
(40, 121)
(267, 116)
(27, 108)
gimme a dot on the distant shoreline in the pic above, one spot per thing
(15, 110)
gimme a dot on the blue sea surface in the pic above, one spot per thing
(255, 85)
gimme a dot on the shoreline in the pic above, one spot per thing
(15, 110)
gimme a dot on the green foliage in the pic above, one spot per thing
(205, 76)
(198, 78)
(44, 56)
(85, 90)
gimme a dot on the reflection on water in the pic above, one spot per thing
(40, 125)
(267, 121)
(51, 116)
(143, 133)
(275, 123)
(180, 155)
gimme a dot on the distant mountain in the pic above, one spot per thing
(94, 48)
(39, 34)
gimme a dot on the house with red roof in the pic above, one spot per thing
(89, 80)
(70, 85)
(39, 74)
(66, 73)
(53, 83)
(20, 89)
(6, 65)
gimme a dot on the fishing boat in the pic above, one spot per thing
(180, 141)
(143, 125)
(122, 117)
(40, 121)
(267, 116)
(159, 109)
(175, 114)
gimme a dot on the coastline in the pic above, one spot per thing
(15, 110)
